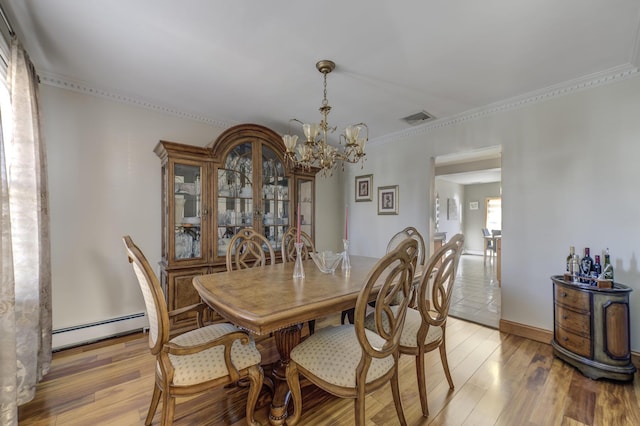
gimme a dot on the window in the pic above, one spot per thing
(493, 213)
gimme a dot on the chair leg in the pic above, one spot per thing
(397, 401)
(445, 363)
(168, 408)
(293, 381)
(358, 405)
(155, 399)
(256, 378)
(347, 315)
(312, 326)
(422, 385)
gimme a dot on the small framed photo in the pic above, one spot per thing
(364, 188)
(473, 205)
(388, 199)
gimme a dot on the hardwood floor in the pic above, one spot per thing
(500, 379)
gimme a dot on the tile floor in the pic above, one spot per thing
(476, 295)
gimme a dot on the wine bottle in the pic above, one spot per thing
(586, 264)
(607, 270)
(597, 267)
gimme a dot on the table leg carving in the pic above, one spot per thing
(285, 339)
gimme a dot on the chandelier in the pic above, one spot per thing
(315, 151)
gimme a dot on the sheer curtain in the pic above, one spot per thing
(25, 292)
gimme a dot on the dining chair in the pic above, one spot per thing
(247, 250)
(289, 249)
(350, 361)
(424, 327)
(198, 360)
(489, 243)
(289, 254)
(408, 232)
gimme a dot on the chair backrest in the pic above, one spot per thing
(392, 275)
(247, 250)
(153, 296)
(289, 249)
(409, 232)
(495, 232)
(438, 278)
(485, 232)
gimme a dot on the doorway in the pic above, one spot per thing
(463, 184)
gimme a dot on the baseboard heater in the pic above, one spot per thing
(82, 334)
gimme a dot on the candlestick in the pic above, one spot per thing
(346, 263)
(298, 228)
(298, 269)
(346, 223)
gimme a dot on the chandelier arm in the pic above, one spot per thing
(315, 149)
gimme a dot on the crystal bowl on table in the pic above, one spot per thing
(327, 261)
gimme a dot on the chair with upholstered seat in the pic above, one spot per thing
(427, 322)
(288, 249)
(247, 250)
(408, 232)
(198, 360)
(350, 361)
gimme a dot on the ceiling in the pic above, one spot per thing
(230, 62)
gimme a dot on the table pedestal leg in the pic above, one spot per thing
(286, 340)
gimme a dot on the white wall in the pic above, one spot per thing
(104, 182)
(450, 192)
(569, 177)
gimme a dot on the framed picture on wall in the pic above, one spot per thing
(388, 199)
(364, 188)
(473, 205)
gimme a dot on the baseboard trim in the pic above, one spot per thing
(86, 333)
(527, 331)
(543, 336)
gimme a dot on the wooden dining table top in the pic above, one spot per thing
(267, 299)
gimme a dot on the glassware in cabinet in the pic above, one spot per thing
(186, 214)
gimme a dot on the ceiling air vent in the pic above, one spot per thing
(418, 118)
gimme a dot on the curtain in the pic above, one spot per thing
(25, 292)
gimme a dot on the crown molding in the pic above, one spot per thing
(82, 87)
(551, 92)
(572, 86)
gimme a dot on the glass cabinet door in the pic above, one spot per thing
(187, 204)
(275, 198)
(235, 195)
(305, 192)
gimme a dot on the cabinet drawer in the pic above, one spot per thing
(572, 297)
(573, 321)
(573, 342)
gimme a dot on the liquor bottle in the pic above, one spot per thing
(586, 264)
(597, 267)
(572, 251)
(607, 270)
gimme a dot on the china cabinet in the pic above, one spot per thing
(210, 193)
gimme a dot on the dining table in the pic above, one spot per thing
(268, 299)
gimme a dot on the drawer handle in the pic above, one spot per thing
(563, 294)
(565, 338)
(565, 317)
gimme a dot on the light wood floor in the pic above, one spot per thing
(500, 380)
